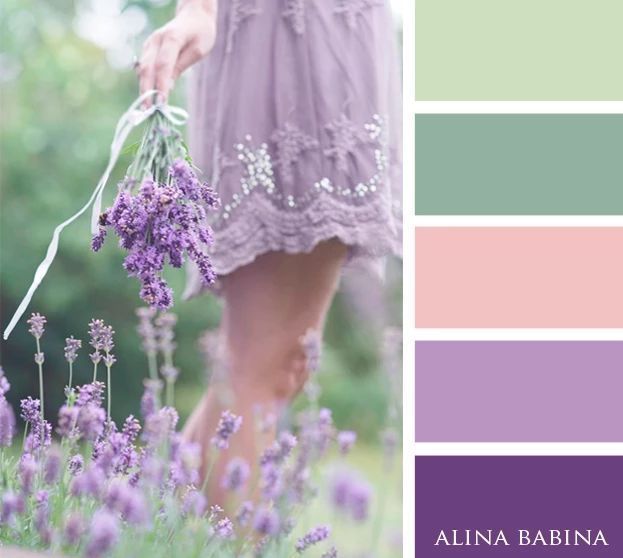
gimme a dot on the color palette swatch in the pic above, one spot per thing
(518, 391)
(521, 497)
(514, 277)
(518, 164)
(518, 50)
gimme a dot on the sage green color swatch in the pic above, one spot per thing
(535, 164)
(510, 50)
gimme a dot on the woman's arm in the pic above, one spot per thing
(184, 40)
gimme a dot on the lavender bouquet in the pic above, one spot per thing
(159, 214)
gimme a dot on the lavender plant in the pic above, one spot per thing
(159, 214)
(97, 489)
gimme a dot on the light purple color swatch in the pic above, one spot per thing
(518, 391)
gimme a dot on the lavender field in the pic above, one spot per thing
(97, 489)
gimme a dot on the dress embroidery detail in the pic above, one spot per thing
(345, 137)
(294, 12)
(351, 10)
(290, 142)
(258, 168)
(239, 11)
(376, 132)
(258, 171)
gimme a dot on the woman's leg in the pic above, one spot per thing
(269, 305)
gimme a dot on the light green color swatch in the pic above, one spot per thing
(519, 50)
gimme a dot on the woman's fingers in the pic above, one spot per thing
(172, 49)
(166, 60)
(146, 68)
(187, 57)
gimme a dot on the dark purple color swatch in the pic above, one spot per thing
(512, 493)
(518, 391)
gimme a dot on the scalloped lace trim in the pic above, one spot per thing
(370, 231)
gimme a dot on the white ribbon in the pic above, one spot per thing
(133, 117)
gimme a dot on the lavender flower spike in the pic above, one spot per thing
(351, 494)
(311, 343)
(90, 393)
(266, 522)
(27, 470)
(224, 529)
(74, 527)
(71, 349)
(146, 329)
(103, 534)
(228, 425)
(360, 501)
(243, 515)
(151, 397)
(5, 386)
(7, 423)
(346, 440)
(37, 325)
(42, 517)
(71, 354)
(30, 409)
(101, 336)
(236, 474)
(314, 536)
(7, 416)
(52, 467)
(12, 504)
(76, 464)
(194, 503)
(165, 323)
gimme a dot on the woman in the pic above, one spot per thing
(294, 118)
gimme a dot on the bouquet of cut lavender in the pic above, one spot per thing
(159, 213)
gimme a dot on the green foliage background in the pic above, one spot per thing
(60, 101)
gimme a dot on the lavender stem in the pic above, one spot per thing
(40, 365)
(109, 391)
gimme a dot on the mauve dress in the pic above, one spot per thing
(295, 119)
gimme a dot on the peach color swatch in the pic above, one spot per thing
(519, 277)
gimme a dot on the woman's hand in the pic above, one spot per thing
(170, 50)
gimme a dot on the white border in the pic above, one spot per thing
(518, 221)
(518, 448)
(516, 107)
(511, 334)
(408, 481)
